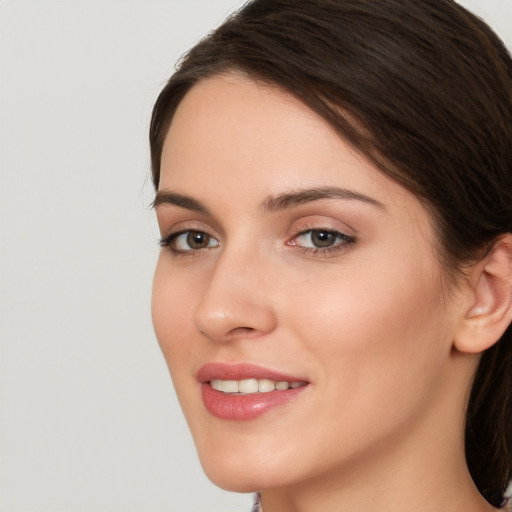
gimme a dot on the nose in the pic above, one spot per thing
(237, 301)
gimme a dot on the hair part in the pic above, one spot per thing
(423, 89)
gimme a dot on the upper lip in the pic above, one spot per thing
(240, 371)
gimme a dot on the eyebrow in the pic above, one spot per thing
(165, 197)
(291, 199)
(271, 203)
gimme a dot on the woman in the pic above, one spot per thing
(333, 296)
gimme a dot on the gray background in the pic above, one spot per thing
(88, 418)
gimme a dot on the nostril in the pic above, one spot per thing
(242, 330)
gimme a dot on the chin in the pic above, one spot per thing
(247, 481)
(244, 471)
(239, 477)
(238, 482)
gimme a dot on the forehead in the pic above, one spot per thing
(232, 123)
(231, 116)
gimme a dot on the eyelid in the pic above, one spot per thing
(172, 225)
(321, 222)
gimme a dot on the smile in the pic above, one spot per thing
(246, 391)
(251, 386)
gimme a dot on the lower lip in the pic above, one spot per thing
(245, 407)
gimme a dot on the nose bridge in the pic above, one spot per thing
(236, 300)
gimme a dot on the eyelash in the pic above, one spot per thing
(168, 241)
(346, 240)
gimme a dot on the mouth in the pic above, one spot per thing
(245, 392)
(251, 386)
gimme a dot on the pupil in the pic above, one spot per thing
(322, 238)
(197, 240)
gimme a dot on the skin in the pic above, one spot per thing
(369, 324)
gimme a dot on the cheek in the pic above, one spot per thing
(374, 331)
(172, 307)
(171, 310)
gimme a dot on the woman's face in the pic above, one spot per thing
(290, 260)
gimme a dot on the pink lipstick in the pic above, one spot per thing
(244, 392)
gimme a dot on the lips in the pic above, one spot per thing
(244, 392)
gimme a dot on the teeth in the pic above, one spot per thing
(282, 386)
(266, 385)
(230, 386)
(249, 386)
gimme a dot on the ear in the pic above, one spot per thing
(490, 311)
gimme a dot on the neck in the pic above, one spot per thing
(399, 486)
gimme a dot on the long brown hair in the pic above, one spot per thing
(423, 88)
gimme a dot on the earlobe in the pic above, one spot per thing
(490, 312)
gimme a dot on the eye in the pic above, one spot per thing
(322, 240)
(188, 241)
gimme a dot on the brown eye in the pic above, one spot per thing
(198, 239)
(323, 238)
(188, 242)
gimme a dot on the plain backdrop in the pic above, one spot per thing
(88, 418)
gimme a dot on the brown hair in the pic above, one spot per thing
(423, 88)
